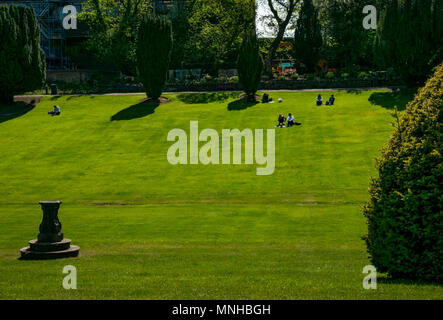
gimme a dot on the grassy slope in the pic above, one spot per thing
(148, 229)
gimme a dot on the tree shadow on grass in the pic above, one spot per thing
(194, 98)
(389, 100)
(388, 280)
(135, 111)
(240, 104)
(14, 110)
(354, 91)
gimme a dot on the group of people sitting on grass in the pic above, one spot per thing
(329, 102)
(290, 121)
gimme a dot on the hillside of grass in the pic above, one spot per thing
(151, 230)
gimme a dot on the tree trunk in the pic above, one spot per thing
(273, 48)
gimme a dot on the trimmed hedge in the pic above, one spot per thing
(154, 46)
(250, 64)
(404, 214)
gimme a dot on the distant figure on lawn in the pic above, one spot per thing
(319, 100)
(291, 121)
(56, 111)
(331, 100)
(281, 121)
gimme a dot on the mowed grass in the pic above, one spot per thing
(151, 230)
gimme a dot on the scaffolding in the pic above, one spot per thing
(49, 14)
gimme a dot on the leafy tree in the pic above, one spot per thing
(347, 43)
(22, 61)
(215, 30)
(282, 12)
(154, 45)
(307, 36)
(410, 38)
(113, 28)
(405, 211)
(250, 64)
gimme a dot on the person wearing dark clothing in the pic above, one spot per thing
(319, 100)
(331, 100)
(281, 121)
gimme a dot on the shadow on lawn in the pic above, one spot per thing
(408, 282)
(389, 100)
(135, 111)
(14, 110)
(240, 104)
(194, 98)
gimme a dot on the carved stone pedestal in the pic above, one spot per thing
(50, 243)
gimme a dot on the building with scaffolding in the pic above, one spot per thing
(54, 38)
(57, 42)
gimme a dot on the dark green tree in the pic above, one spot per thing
(154, 46)
(346, 43)
(410, 38)
(112, 32)
(405, 211)
(250, 64)
(307, 36)
(22, 61)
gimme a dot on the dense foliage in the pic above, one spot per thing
(346, 42)
(215, 32)
(154, 46)
(22, 61)
(307, 37)
(405, 212)
(113, 28)
(410, 38)
(250, 64)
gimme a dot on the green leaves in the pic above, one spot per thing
(404, 214)
(250, 64)
(409, 38)
(154, 47)
(22, 61)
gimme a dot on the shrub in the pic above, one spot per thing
(404, 214)
(330, 75)
(22, 61)
(154, 45)
(249, 64)
(233, 79)
(363, 75)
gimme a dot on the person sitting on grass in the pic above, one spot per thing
(291, 121)
(319, 100)
(331, 100)
(56, 111)
(281, 121)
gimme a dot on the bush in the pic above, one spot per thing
(154, 45)
(249, 64)
(363, 75)
(330, 75)
(22, 61)
(404, 214)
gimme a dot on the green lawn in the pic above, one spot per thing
(151, 230)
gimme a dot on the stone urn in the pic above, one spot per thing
(50, 243)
